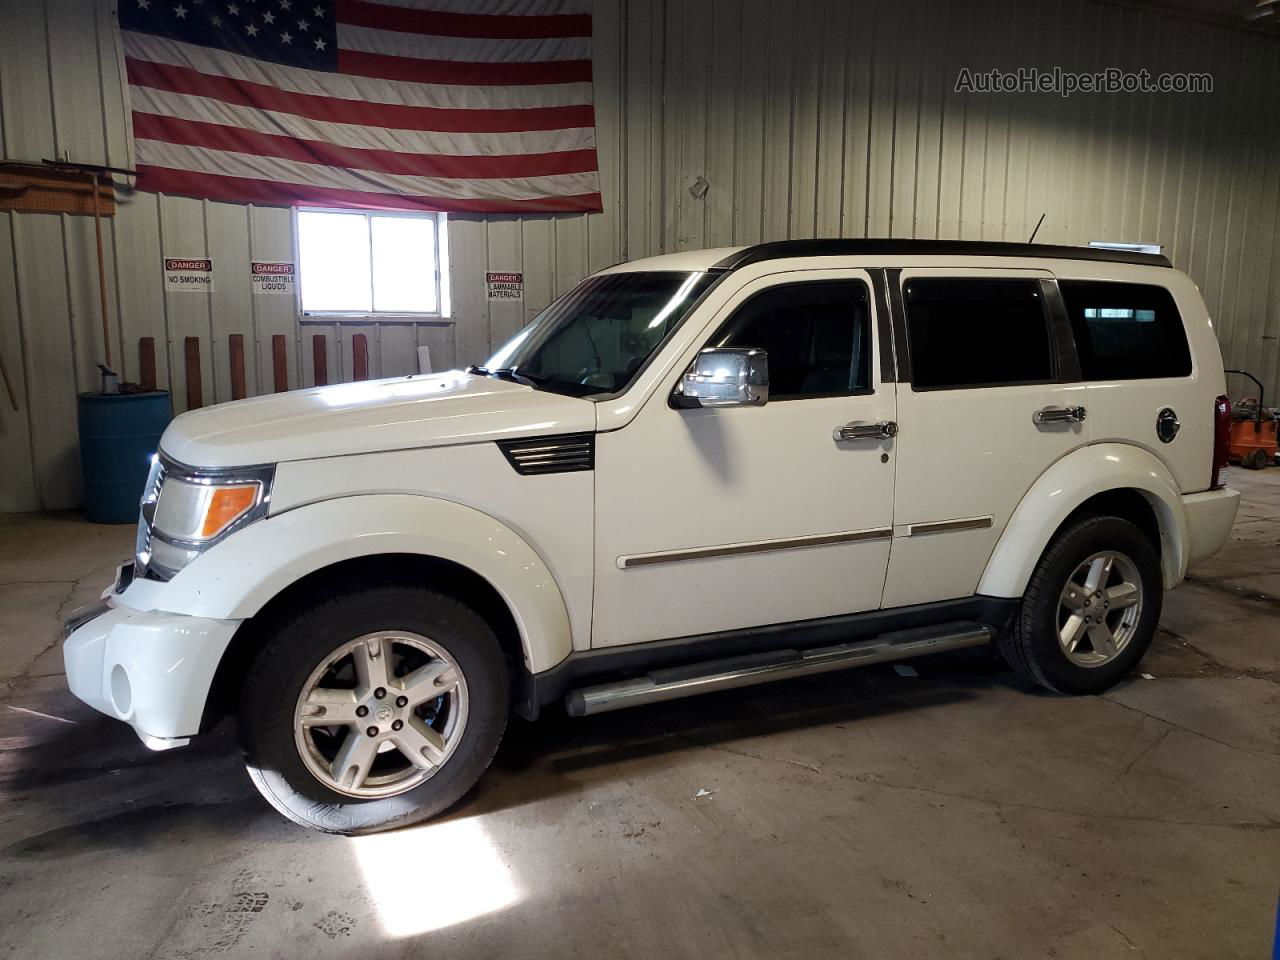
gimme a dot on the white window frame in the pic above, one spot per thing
(443, 304)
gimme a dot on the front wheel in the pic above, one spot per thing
(1090, 609)
(373, 709)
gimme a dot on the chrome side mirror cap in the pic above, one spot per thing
(726, 377)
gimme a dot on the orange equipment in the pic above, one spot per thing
(1253, 430)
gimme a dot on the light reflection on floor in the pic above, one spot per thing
(473, 880)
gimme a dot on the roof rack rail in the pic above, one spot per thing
(866, 247)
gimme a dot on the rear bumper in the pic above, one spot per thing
(1210, 516)
(151, 670)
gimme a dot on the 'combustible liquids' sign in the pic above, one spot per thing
(188, 275)
(271, 277)
(505, 286)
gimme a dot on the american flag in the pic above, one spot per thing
(454, 105)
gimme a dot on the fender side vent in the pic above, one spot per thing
(563, 454)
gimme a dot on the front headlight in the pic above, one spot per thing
(185, 510)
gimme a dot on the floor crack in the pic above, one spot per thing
(1195, 733)
(875, 780)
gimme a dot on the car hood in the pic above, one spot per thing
(369, 417)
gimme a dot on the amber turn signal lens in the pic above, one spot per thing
(228, 505)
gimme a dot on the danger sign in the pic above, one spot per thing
(188, 275)
(504, 286)
(269, 276)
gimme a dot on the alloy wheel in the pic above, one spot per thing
(1099, 609)
(381, 714)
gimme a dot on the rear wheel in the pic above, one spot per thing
(1090, 609)
(374, 709)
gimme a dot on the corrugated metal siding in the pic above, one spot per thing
(806, 118)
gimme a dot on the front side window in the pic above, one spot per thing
(358, 264)
(967, 332)
(817, 336)
(1126, 331)
(595, 338)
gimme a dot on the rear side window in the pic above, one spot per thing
(975, 333)
(1126, 331)
(817, 336)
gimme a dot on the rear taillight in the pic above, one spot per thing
(1221, 441)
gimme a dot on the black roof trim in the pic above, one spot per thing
(859, 247)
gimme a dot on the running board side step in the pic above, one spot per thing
(675, 682)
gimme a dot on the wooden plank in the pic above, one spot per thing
(235, 347)
(280, 362)
(359, 357)
(147, 363)
(319, 360)
(194, 378)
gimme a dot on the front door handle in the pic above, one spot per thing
(884, 430)
(1059, 415)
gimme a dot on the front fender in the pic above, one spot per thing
(236, 578)
(1067, 484)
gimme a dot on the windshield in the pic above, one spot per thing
(596, 337)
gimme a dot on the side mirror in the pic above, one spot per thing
(726, 377)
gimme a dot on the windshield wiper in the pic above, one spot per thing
(508, 373)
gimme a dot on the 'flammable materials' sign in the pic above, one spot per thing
(271, 277)
(505, 286)
(188, 275)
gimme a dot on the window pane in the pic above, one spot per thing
(598, 335)
(966, 333)
(817, 337)
(1126, 331)
(333, 254)
(404, 264)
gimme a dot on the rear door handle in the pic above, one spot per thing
(884, 430)
(1059, 415)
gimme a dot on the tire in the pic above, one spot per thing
(1033, 644)
(286, 760)
(1255, 460)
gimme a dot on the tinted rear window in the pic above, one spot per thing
(969, 333)
(1126, 331)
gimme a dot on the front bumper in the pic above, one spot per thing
(152, 670)
(1210, 517)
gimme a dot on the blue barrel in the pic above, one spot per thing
(118, 434)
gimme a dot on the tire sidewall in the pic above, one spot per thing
(285, 664)
(1040, 624)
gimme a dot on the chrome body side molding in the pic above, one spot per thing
(628, 561)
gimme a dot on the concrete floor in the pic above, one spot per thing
(955, 814)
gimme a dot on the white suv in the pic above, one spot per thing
(692, 472)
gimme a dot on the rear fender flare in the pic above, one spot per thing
(1066, 485)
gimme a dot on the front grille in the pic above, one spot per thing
(563, 454)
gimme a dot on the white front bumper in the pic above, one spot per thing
(151, 670)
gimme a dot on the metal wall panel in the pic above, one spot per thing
(804, 117)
